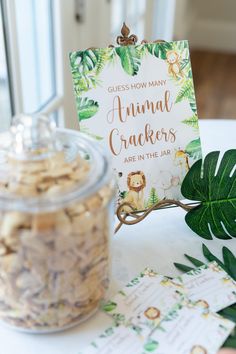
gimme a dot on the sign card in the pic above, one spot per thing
(209, 285)
(145, 299)
(139, 102)
(186, 329)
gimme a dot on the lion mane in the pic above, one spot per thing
(136, 189)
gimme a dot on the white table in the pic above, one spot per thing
(157, 242)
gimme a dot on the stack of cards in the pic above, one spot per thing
(155, 314)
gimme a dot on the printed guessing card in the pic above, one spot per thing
(190, 329)
(209, 285)
(187, 329)
(139, 102)
(145, 300)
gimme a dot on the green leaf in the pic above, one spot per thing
(186, 92)
(230, 342)
(191, 121)
(159, 49)
(230, 262)
(88, 59)
(86, 108)
(194, 261)
(183, 267)
(151, 345)
(86, 67)
(109, 306)
(210, 257)
(229, 313)
(130, 59)
(193, 106)
(216, 191)
(193, 149)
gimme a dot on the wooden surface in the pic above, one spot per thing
(214, 77)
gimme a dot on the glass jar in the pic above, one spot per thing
(56, 209)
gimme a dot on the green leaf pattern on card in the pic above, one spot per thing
(87, 65)
(109, 306)
(150, 346)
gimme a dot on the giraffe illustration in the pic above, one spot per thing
(181, 160)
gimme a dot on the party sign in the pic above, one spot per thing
(139, 102)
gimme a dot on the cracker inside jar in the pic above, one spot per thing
(54, 241)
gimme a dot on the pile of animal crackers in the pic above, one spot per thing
(54, 265)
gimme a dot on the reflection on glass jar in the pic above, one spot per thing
(56, 206)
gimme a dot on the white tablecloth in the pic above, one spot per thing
(157, 242)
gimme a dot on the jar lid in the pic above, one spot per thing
(42, 168)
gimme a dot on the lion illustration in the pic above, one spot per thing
(136, 182)
(198, 349)
(203, 304)
(152, 313)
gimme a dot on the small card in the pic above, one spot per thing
(146, 298)
(210, 285)
(190, 329)
(187, 329)
(116, 340)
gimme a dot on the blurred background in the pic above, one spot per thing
(37, 35)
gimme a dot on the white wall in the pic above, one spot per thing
(208, 24)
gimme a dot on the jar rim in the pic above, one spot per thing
(99, 175)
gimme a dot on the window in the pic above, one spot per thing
(38, 42)
(34, 28)
(132, 12)
(5, 99)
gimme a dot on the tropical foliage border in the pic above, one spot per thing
(87, 65)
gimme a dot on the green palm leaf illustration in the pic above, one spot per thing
(216, 191)
(130, 59)
(86, 108)
(193, 149)
(192, 121)
(186, 92)
(86, 67)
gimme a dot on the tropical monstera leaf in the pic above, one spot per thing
(215, 189)
(88, 60)
(130, 59)
(86, 108)
(159, 49)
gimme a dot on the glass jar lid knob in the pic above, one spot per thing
(33, 136)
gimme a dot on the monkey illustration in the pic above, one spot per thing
(173, 61)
